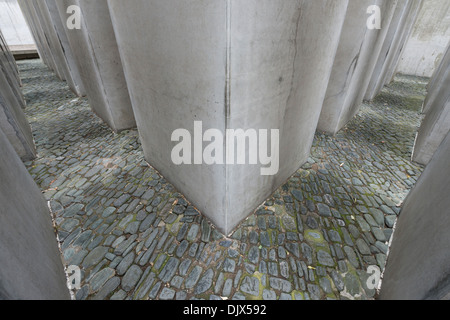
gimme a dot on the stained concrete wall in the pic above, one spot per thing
(418, 265)
(13, 25)
(436, 124)
(31, 262)
(95, 50)
(429, 40)
(241, 64)
(12, 118)
(356, 57)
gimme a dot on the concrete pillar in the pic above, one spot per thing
(54, 42)
(77, 85)
(392, 43)
(437, 80)
(436, 123)
(258, 65)
(418, 265)
(356, 57)
(12, 118)
(31, 263)
(95, 50)
(33, 30)
(429, 40)
(402, 41)
(40, 37)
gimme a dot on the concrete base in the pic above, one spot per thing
(31, 262)
(232, 65)
(419, 258)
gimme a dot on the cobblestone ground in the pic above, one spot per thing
(135, 237)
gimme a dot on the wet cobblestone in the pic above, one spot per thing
(135, 237)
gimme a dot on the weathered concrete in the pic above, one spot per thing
(55, 43)
(247, 65)
(356, 57)
(40, 38)
(429, 39)
(401, 41)
(439, 76)
(31, 262)
(95, 50)
(436, 124)
(404, 16)
(13, 24)
(12, 119)
(419, 258)
(76, 85)
(14, 123)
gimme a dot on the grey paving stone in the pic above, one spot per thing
(169, 270)
(250, 285)
(94, 257)
(131, 277)
(205, 282)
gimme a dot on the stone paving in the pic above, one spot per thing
(135, 237)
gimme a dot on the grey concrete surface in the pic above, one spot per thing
(356, 57)
(272, 76)
(95, 50)
(419, 258)
(12, 118)
(438, 80)
(429, 39)
(393, 43)
(38, 33)
(31, 262)
(77, 85)
(436, 123)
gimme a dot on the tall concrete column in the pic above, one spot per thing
(40, 37)
(32, 27)
(12, 118)
(258, 65)
(74, 82)
(402, 42)
(31, 262)
(94, 48)
(418, 265)
(437, 80)
(436, 124)
(356, 57)
(11, 71)
(55, 42)
(393, 43)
